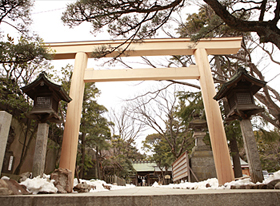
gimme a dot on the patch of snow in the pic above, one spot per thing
(214, 184)
(99, 185)
(38, 184)
(116, 187)
(207, 184)
(247, 181)
(238, 182)
(274, 176)
(155, 184)
(96, 183)
(44, 184)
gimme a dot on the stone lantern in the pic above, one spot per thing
(46, 96)
(201, 159)
(199, 126)
(238, 92)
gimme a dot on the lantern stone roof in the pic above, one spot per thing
(197, 124)
(240, 75)
(30, 89)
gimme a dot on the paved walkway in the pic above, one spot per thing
(149, 196)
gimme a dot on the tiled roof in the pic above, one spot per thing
(146, 166)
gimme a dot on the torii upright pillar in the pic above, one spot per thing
(214, 121)
(73, 116)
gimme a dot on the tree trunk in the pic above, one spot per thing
(98, 168)
(251, 151)
(96, 163)
(83, 151)
(235, 157)
(162, 174)
(266, 30)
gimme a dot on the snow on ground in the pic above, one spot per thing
(44, 184)
(275, 175)
(38, 184)
(213, 183)
(98, 184)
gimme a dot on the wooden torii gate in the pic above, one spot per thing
(81, 51)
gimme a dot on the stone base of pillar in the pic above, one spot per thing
(62, 180)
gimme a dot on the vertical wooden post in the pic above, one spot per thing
(251, 151)
(214, 119)
(188, 166)
(73, 116)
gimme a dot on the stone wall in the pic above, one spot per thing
(53, 153)
(15, 146)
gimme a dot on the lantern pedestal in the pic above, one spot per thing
(199, 144)
(201, 159)
(251, 151)
(40, 150)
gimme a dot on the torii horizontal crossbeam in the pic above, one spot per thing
(92, 75)
(148, 47)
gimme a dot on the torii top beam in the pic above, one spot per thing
(149, 47)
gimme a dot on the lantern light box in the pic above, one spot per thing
(239, 91)
(46, 95)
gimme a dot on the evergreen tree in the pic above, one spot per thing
(16, 13)
(161, 153)
(20, 62)
(141, 19)
(269, 149)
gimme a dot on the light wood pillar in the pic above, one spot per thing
(214, 119)
(73, 116)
